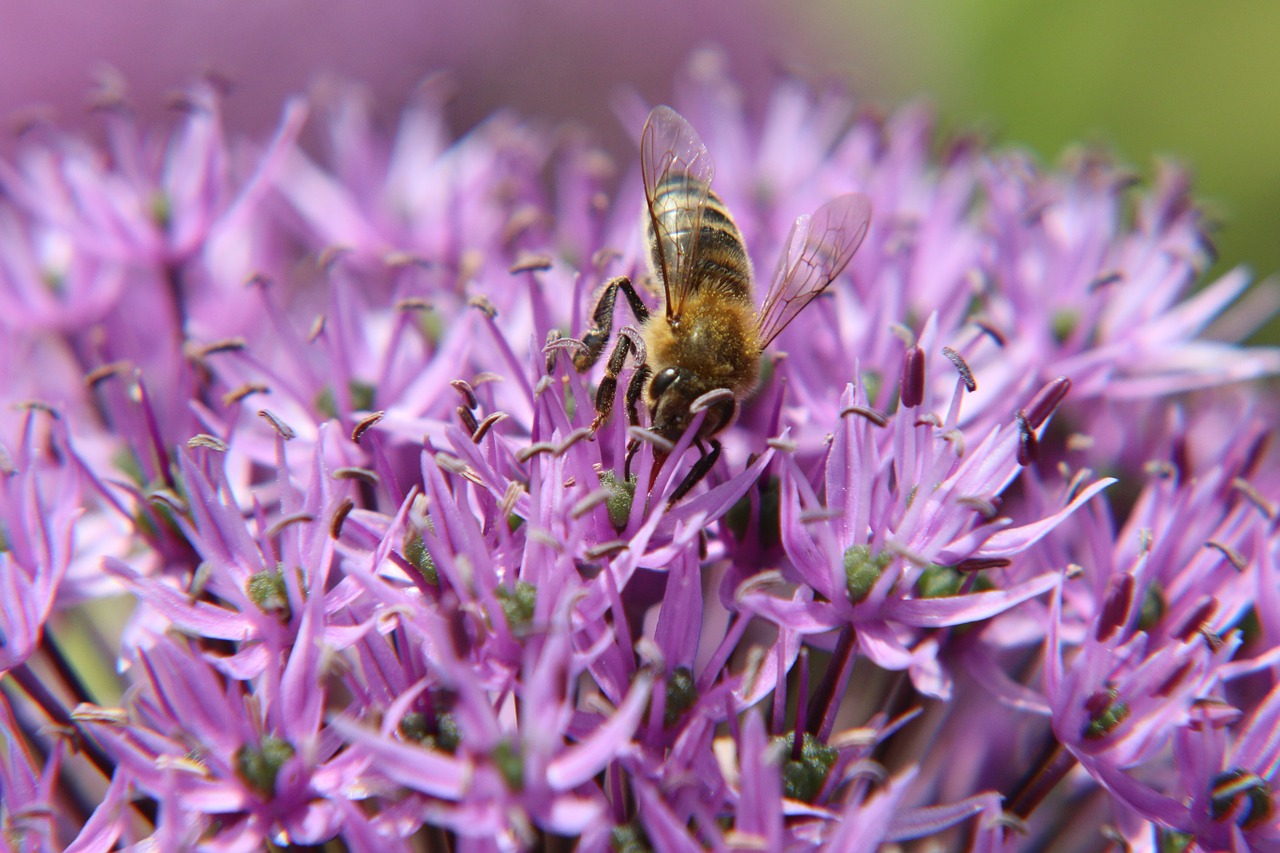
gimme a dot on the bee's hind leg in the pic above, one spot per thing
(699, 470)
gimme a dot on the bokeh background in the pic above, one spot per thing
(1181, 78)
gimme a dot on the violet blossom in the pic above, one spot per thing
(989, 560)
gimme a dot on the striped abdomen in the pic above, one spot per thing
(720, 259)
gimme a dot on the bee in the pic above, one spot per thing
(709, 337)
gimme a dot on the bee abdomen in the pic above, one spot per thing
(721, 260)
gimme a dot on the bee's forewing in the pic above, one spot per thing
(677, 178)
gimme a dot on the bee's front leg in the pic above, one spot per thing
(635, 388)
(699, 470)
(602, 320)
(629, 341)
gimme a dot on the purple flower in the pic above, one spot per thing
(231, 765)
(40, 501)
(998, 511)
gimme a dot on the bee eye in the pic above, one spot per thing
(663, 381)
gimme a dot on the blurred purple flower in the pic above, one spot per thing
(26, 789)
(350, 466)
(40, 501)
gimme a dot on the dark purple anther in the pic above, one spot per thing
(1198, 621)
(1028, 444)
(913, 378)
(978, 564)
(1115, 612)
(1039, 409)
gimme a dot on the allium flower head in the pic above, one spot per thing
(988, 560)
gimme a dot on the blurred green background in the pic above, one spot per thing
(1181, 78)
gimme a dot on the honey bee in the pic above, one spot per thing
(709, 336)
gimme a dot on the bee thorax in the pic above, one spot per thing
(714, 342)
(712, 345)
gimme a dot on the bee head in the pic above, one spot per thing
(672, 392)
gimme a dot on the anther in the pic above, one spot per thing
(339, 516)
(105, 372)
(235, 395)
(487, 424)
(1028, 444)
(364, 424)
(413, 303)
(469, 422)
(991, 332)
(484, 306)
(709, 399)
(528, 262)
(350, 472)
(1115, 610)
(980, 564)
(913, 377)
(464, 388)
(876, 417)
(282, 429)
(1234, 557)
(293, 518)
(209, 442)
(1046, 400)
(1198, 621)
(966, 375)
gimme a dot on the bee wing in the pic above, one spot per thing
(677, 177)
(817, 250)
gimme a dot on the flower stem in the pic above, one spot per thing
(802, 690)
(53, 708)
(1054, 764)
(70, 678)
(173, 280)
(84, 742)
(822, 707)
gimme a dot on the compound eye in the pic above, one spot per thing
(663, 381)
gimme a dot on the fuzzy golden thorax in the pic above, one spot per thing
(712, 344)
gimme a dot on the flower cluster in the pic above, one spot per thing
(991, 557)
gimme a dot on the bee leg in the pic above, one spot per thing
(635, 388)
(699, 470)
(602, 320)
(632, 447)
(552, 337)
(609, 384)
